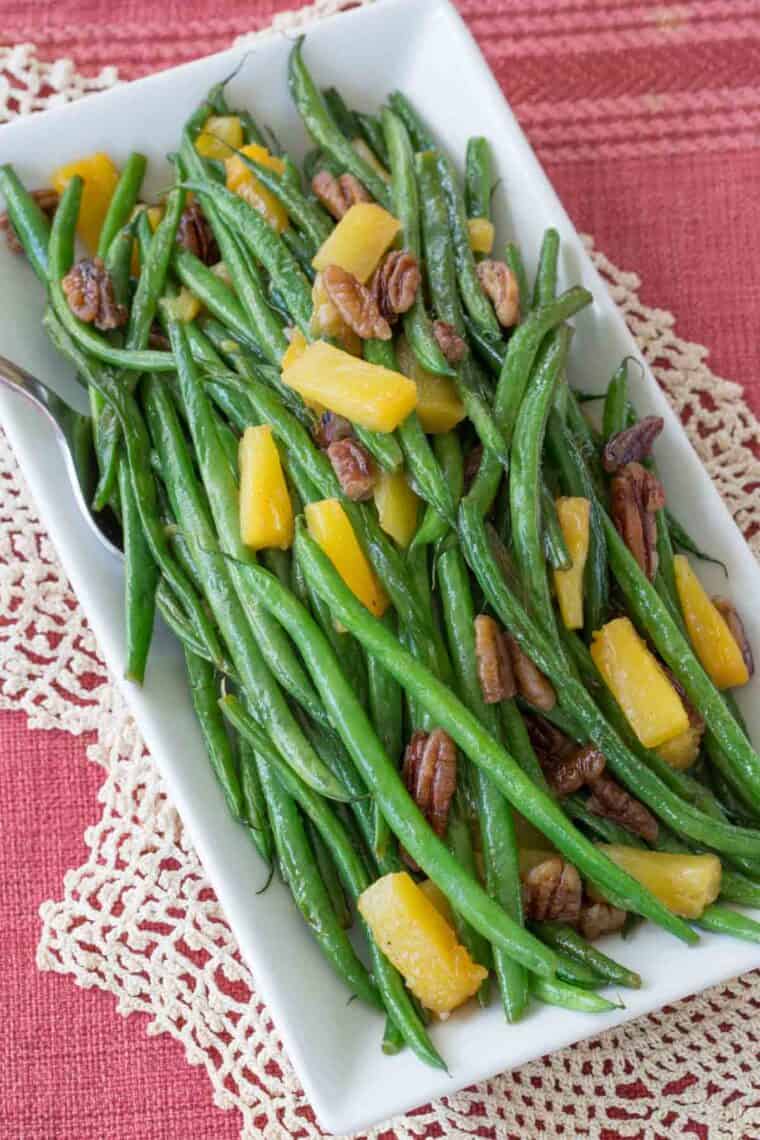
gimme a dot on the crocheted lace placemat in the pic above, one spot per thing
(688, 1062)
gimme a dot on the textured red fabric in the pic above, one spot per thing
(647, 117)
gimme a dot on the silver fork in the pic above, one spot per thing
(71, 430)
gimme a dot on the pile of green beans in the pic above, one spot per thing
(305, 701)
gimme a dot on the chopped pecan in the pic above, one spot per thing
(549, 743)
(338, 195)
(46, 199)
(195, 234)
(430, 774)
(736, 627)
(598, 918)
(636, 495)
(157, 338)
(395, 283)
(356, 305)
(552, 891)
(497, 680)
(609, 800)
(536, 688)
(500, 286)
(330, 428)
(449, 341)
(633, 444)
(89, 293)
(354, 466)
(582, 767)
(472, 465)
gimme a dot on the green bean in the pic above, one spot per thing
(278, 563)
(203, 690)
(525, 499)
(303, 250)
(123, 200)
(574, 699)
(355, 876)
(324, 130)
(545, 285)
(683, 540)
(30, 224)
(496, 825)
(344, 646)
(254, 801)
(418, 132)
(343, 117)
(425, 471)
(665, 579)
(372, 131)
(138, 457)
(514, 260)
(577, 481)
(60, 258)
(614, 418)
(519, 745)
(478, 178)
(406, 205)
(330, 876)
(475, 301)
(570, 942)
(317, 160)
(483, 750)
(655, 619)
(216, 296)
(222, 491)
(448, 452)
(393, 1039)
(555, 548)
(174, 616)
(737, 888)
(459, 843)
(305, 212)
(722, 920)
(576, 973)
(258, 684)
(568, 997)
(386, 711)
(140, 582)
(352, 724)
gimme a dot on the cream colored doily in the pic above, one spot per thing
(689, 1063)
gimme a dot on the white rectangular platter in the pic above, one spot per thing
(422, 47)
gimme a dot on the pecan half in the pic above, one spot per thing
(89, 293)
(330, 428)
(472, 462)
(46, 199)
(354, 466)
(736, 627)
(632, 444)
(356, 305)
(536, 688)
(636, 494)
(549, 743)
(600, 918)
(338, 195)
(582, 767)
(395, 283)
(609, 800)
(195, 234)
(500, 286)
(552, 891)
(497, 680)
(449, 341)
(430, 774)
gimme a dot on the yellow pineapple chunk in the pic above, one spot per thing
(331, 529)
(420, 943)
(682, 750)
(100, 176)
(242, 181)
(639, 683)
(296, 348)
(397, 506)
(684, 883)
(436, 896)
(366, 394)
(358, 241)
(266, 513)
(220, 137)
(573, 515)
(438, 405)
(713, 642)
(184, 307)
(481, 232)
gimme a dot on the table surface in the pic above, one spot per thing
(648, 120)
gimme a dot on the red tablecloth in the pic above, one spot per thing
(648, 120)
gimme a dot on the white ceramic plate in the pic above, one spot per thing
(423, 47)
